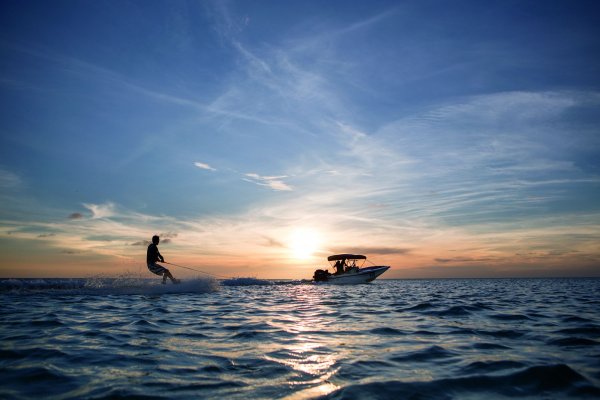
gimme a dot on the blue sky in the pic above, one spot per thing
(445, 139)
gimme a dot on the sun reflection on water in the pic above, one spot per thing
(321, 390)
(310, 352)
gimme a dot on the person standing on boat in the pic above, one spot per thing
(152, 256)
(339, 267)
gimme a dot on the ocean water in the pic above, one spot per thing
(251, 339)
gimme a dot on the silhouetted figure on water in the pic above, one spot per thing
(339, 267)
(153, 256)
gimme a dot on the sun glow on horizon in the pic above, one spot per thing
(304, 243)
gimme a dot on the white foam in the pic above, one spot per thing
(133, 284)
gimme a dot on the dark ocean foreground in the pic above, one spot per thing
(421, 339)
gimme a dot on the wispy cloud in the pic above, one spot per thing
(202, 165)
(462, 260)
(376, 251)
(46, 235)
(142, 243)
(9, 180)
(274, 182)
(167, 237)
(105, 210)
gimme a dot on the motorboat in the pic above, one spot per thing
(347, 272)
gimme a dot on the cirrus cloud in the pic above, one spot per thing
(274, 182)
(205, 166)
(101, 210)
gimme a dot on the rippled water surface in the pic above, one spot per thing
(533, 338)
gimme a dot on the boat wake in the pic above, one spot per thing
(245, 282)
(128, 283)
(262, 282)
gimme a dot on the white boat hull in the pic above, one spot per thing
(364, 275)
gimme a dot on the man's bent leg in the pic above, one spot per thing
(170, 276)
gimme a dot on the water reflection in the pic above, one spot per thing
(312, 392)
(469, 338)
(311, 351)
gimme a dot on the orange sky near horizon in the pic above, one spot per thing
(439, 256)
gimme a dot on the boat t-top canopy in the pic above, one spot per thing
(336, 257)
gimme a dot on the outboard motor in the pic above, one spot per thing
(321, 275)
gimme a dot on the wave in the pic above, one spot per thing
(501, 333)
(573, 341)
(387, 331)
(489, 346)
(454, 311)
(491, 366)
(585, 330)
(545, 380)
(421, 306)
(123, 284)
(18, 285)
(510, 317)
(428, 354)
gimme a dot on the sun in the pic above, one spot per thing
(303, 243)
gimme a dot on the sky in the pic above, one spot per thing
(445, 139)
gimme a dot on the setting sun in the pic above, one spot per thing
(303, 243)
